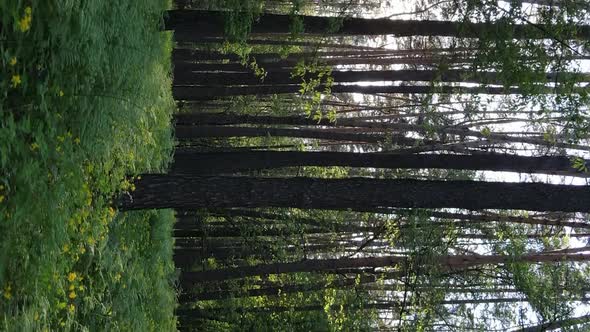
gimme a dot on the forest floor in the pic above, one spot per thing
(85, 101)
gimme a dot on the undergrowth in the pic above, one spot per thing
(85, 101)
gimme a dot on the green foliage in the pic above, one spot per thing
(84, 102)
(579, 164)
(317, 81)
(243, 50)
(240, 15)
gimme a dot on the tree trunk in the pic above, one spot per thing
(194, 132)
(231, 162)
(196, 93)
(319, 265)
(186, 75)
(157, 191)
(229, 118)
(212, 23)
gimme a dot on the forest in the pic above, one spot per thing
(295, 165)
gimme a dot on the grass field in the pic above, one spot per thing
(85, 101)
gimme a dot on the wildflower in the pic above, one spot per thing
(72, 287)
(60, 138)
(34, 146)
(61, 93)
(7, 292)
(72, 276)
(72, 295)
(12, 61)
(71, 308)
(24, 23)
(91, 241)
(36, 317)
(117, 277)
(15, 80)
(66, 248)
(61, 305)
(2, 198)
(111, 212)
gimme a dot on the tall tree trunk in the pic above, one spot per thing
(288, 289)
(319, 265)
(361, 194)
(230, 162)
(228, 118)
(194, 132)
(211, 23)
(191, 55)
(186, 75)
(196, 93)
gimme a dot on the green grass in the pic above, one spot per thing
(84, 101)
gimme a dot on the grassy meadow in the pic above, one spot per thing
(85, 102)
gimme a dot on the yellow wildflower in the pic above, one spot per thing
(72, 287)
(61, 93)
(7, 292)
(36, 317)
(34, 146)
(71, 308)
(91, 241)
(72, 295)
(15, 80)
(2, 198)
(117, 277)
(77, 140)
(61, 138)
(72, 276)
(24, 23)
(12, 61)
(66, 248)
(111, 212)
(61, 305)
(82, 250)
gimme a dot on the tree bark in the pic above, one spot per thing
(184, 75)
(211, 24)
(195, 132)
(196, 93)
(319, 265)
(157, 191)
(231, 162)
